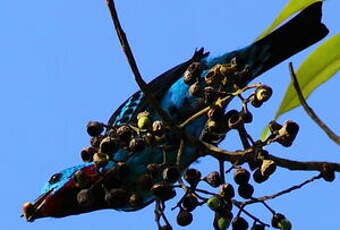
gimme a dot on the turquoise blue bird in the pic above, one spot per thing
(124, 180)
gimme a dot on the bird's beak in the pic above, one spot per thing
(33, 211)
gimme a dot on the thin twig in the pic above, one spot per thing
(286, 191)
(241, 207)
(220, 101)
(180, 154)
(221, 164)
(132, 62)
(309, 110)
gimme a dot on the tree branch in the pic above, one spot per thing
(132, 62)
(303, 165)
(309, 110)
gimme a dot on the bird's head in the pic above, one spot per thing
(60, 196)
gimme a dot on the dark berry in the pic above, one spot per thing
(263, 93)
(124, 133)
(171, 174)
(109, 146)
(276, 219)
(215, 113)
(184, 218)
(158, 128)
(189, 202)
(117, 197)
(246, 191)
(137, 144)
(241, 176)
(213, 179)
(85, 197)
(327, 173)
(163, 191)
(258, 177)
(94, 128)
(268, 167)
(239, 223)
(192, 176)
(258, 227)
(87, 154)
(135, 200)
(227, 191)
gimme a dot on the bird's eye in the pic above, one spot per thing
(55, 178)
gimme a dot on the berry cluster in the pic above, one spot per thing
(121, 187)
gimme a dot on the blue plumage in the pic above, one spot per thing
(59, 195)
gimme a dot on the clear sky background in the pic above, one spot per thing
(61, 66)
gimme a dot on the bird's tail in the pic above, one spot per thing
(300, 32)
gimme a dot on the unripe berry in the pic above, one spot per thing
(223, 223)
(143, 120)
(215, 203)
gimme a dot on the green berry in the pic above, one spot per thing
(214, 203)
(285, 224)
(223, 223)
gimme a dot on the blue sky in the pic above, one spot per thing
(61, 66)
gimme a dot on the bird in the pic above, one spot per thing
(125, 174)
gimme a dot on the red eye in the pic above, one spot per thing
(55, 178)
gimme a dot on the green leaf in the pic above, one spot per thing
(264, 133)
(316, 69)
(291, 8)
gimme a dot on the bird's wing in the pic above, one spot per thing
(137, 102)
